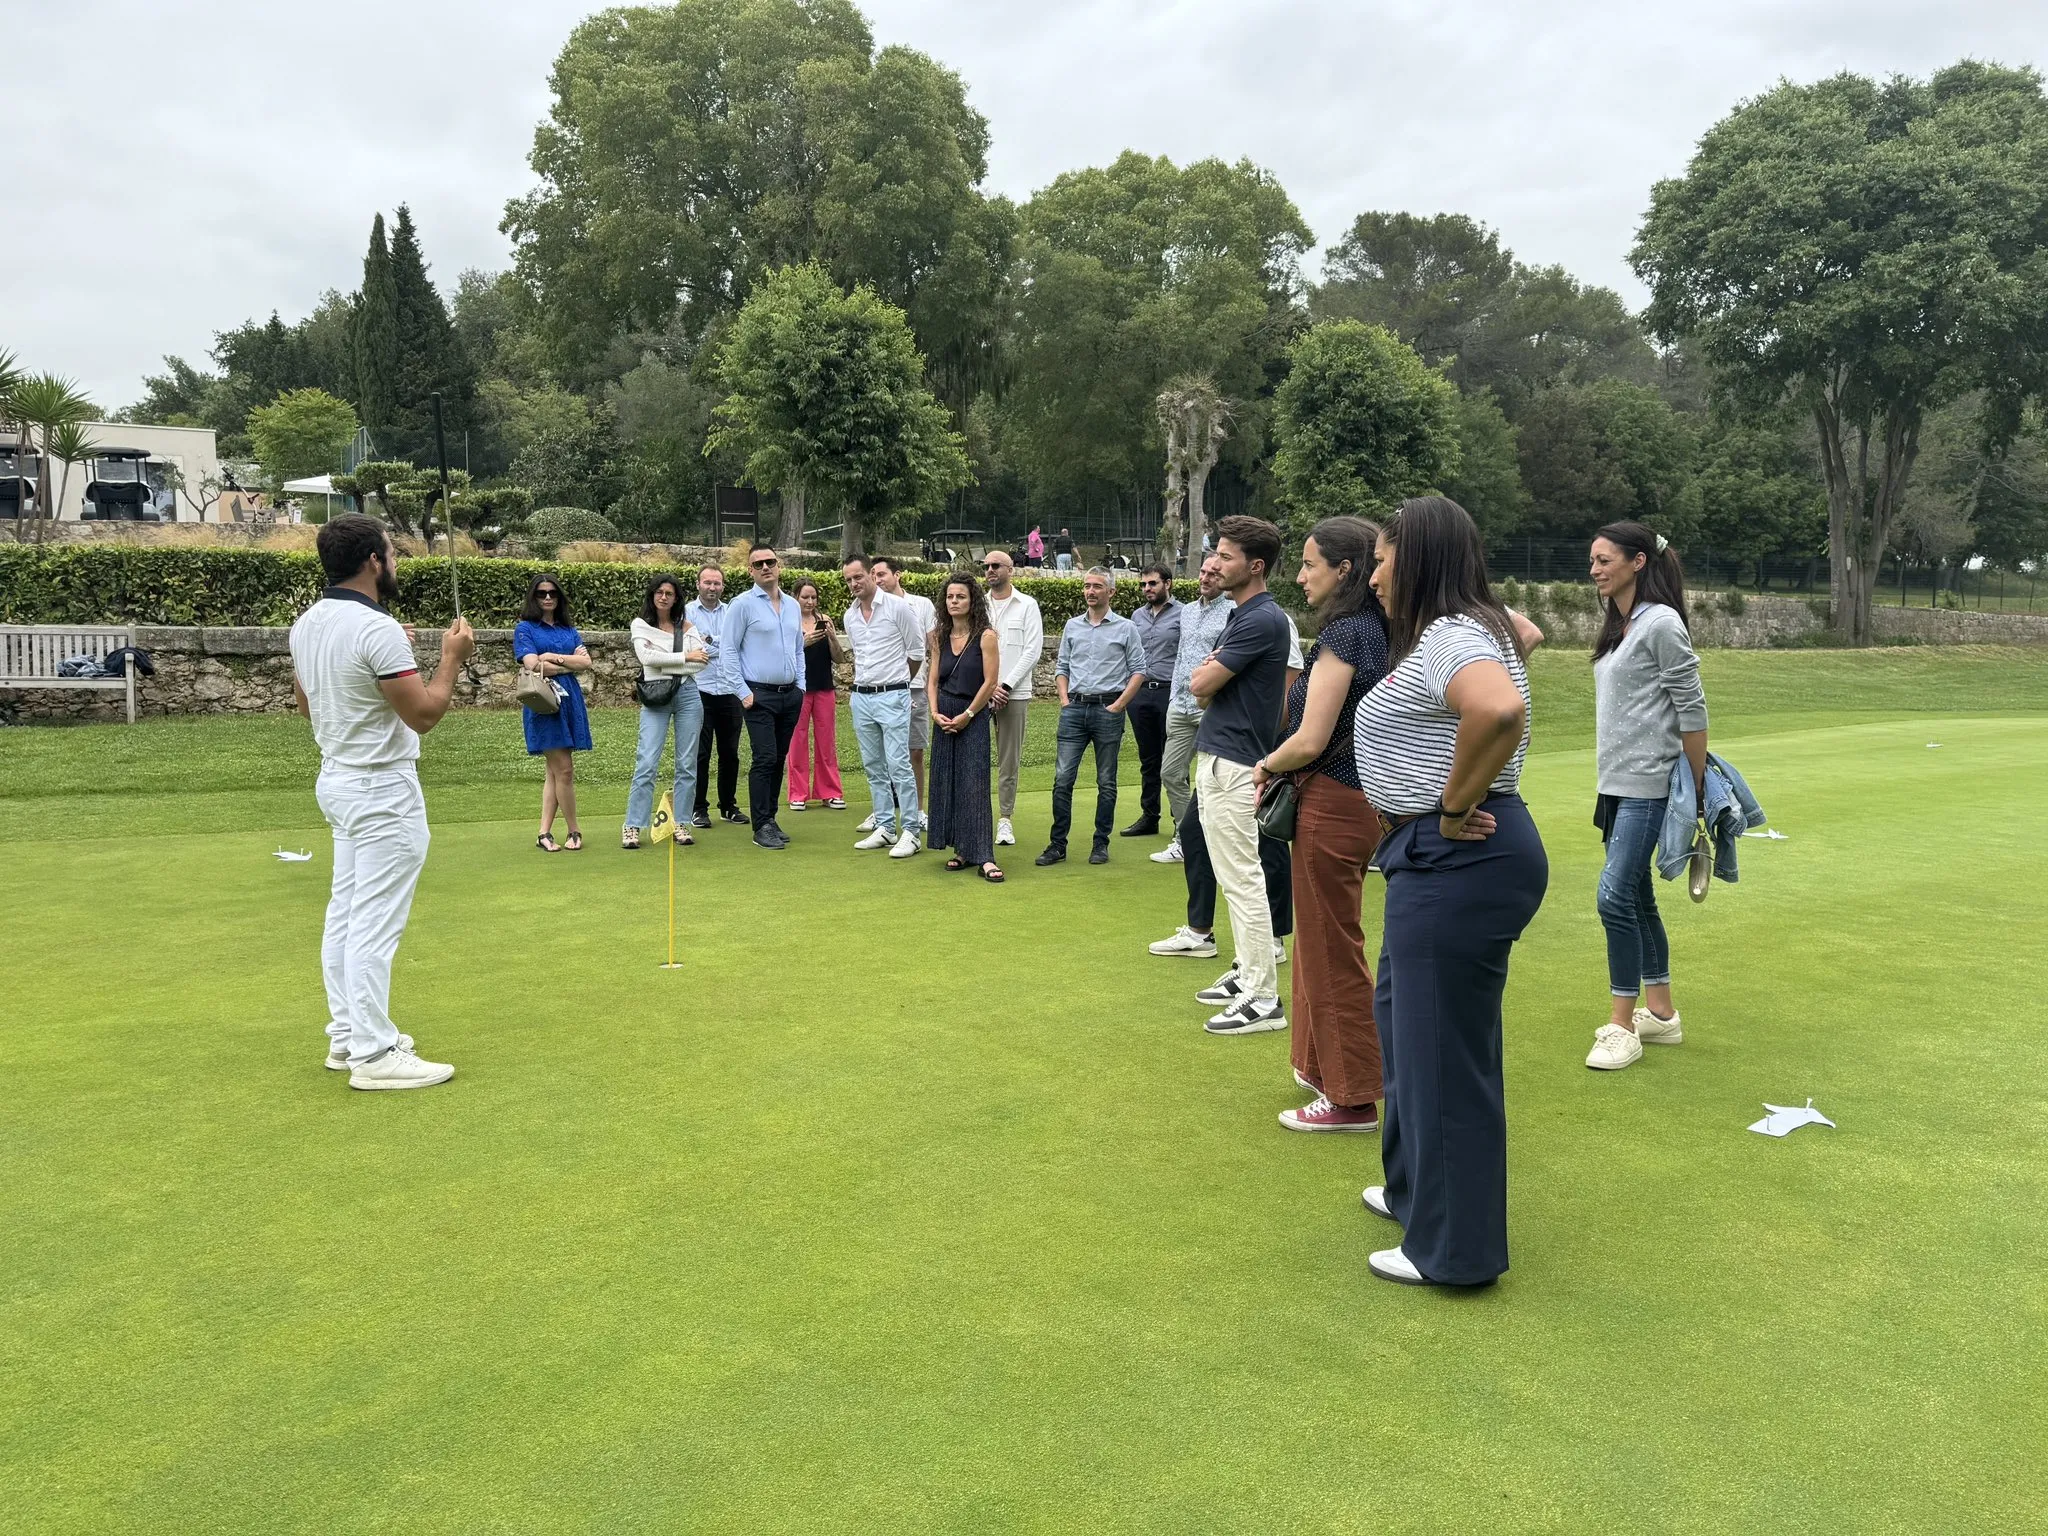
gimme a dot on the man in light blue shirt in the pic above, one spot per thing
(764, 634)
(1101, 666)
(719, 686)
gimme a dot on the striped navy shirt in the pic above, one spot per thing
(1406, 732)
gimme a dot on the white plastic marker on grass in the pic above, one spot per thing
(1783, 1122)
(1768, 832)
(292, 858)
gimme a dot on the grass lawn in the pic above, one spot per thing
(918, 1205)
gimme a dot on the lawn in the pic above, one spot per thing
(917, 1205)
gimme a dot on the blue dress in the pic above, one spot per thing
(569, 726)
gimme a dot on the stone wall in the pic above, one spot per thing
(1769, 622)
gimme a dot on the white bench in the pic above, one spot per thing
(30, 654)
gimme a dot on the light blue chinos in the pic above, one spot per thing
(684, 716)
(881, 724)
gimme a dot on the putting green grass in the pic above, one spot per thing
(913, 1204)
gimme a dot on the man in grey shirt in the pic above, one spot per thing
(1200, 627)
(1158, 621)
(1101, 667)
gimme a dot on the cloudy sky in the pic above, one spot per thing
(187, 166)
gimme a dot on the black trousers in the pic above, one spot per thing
(722, 716)
(771, 725)
(1454, 911)
(1276, 861)
(1148, 724)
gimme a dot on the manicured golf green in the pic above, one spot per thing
(913, 1204)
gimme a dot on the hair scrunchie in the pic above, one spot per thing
(1662, 543)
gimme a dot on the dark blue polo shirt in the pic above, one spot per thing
(1242, 723)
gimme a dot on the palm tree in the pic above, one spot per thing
(43, 403)
(69, 444)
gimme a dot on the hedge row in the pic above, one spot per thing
(139, 584)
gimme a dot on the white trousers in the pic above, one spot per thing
(1228, 806)
(380, 845)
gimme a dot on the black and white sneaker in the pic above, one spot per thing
(1248, 1016)
(1224, 989)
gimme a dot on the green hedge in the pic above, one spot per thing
(139, 584)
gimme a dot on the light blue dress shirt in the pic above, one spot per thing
(769, 646)
(721, 673)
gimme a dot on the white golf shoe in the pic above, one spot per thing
(399, 1068)
(1613, 1049)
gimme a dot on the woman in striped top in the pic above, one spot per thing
(1440, 745)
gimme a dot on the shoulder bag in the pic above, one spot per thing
(659, 692)
(1277, 802)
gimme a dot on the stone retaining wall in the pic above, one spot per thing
(248, 671)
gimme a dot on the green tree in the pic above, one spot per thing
(1598, 453)
(826, 393)
(571, 455)
(1488, 480)
(430, 356)
(1361, 422)
(1758, 492)
(302, 432)
(375, 341)
(1872, 252)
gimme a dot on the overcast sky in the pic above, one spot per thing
(187, 166)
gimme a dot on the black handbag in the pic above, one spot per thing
(1277, 804)
(659, 692)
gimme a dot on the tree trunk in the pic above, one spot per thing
(1176, 494)
(1198, 490)
(849, 534)
(791, 533)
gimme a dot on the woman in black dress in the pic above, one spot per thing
(962, 667)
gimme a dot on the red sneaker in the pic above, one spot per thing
(1322, 1115)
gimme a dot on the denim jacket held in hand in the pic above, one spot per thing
(1730, 811)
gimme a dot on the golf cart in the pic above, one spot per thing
(119, 489)
(17, 480)
(1129, 554)
(950, 545)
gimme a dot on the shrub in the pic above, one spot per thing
(1509, 591)
(1734, 603)
(549, 528)
(155, 584)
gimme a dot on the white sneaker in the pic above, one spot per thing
(1185, 941)
(337, 1061)
(399, 1068)
(868, 825)
(906, 845)
(1375, 1198)
(1170, 854)
(1224, 989)
(1392, 1264)
(880, 837)
(1279, 953)
(1248, 1016)
(1652, 1030)
(1614, 1048)
(1006, 837)
(798, 805)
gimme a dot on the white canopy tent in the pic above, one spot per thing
(321, 486)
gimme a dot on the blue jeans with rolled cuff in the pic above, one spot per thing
(1638, 953)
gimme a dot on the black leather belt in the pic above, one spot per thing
(1149, 683)
(1094, 698)
(771, 687)
(880, 687)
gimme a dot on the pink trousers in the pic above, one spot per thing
(817, 735)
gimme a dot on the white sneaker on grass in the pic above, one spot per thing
(906, 845)
(1224, 989)
(879, 837)
(1006, 836)
(1652, 1030)
(1614, 1048)
(868, 825)
(1170, 854)
(1185, 941)
(1392, 1264)
(337, 1061)
(1279, 953)
(399, 1068)
(1248, 1016)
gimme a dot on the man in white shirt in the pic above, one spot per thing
(891, 581)
(355, 678)
(887, 644)
(1020, 636)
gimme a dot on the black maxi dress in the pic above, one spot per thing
(960, 817)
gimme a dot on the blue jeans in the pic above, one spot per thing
(684, 715)
(881, 724)
(1081, 724)
(1638, 954)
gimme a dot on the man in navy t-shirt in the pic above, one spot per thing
(1244, 686)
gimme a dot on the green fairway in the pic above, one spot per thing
(914, 1204)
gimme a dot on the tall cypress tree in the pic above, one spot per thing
(430, 355)
(376, 343)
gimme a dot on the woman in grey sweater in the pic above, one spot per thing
(1651, 711)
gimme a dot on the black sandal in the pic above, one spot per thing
(575, 842)
(546, 844)
(992, 879)
(956, 863)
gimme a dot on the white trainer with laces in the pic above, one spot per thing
(337, 1061)
(1185, 941)
(1170, 854)
(1248, 1016)
(878, 838)
(906, 845)
(1652, 1030)
(1006, 835)
(1613, 1049)
(399, 1068)
(868, 825)
(1224, 989)
(1279, 953)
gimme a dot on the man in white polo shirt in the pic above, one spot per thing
(1020, 643)
(355, 678)
(890, 580)
(887, 643)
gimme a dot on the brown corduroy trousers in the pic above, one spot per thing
(1336, 1042)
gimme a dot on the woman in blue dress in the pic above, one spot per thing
(546, 642)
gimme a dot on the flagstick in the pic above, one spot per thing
(671, 965)
(447, 509)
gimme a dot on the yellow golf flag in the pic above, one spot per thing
(664, 826)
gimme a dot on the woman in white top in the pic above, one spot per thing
(1440, 744)
(670, 656)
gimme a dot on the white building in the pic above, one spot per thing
(154, 474)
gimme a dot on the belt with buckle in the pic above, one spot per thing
(881, 687)
(771, 687)
(1094, 698)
